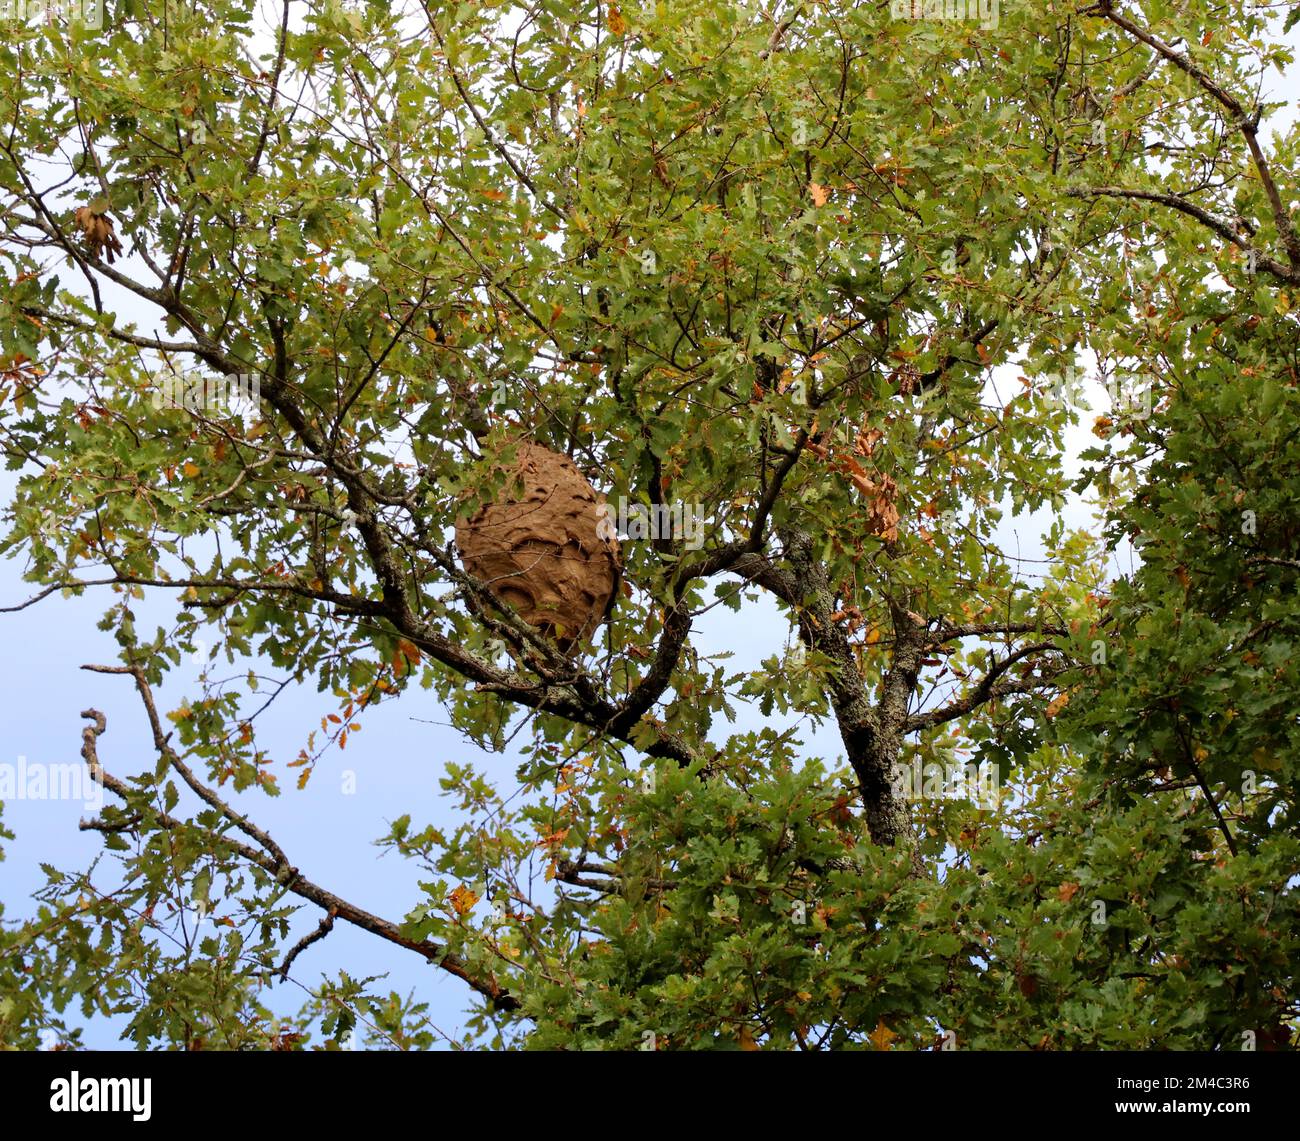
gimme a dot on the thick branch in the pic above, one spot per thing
(985, 690)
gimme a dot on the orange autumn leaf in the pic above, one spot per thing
(553, 839)
(820, 194)
(463, 900)
(1067, 892)
(881, 1036)
(615, 22)
(864, 443)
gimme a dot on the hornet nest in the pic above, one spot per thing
(545, 547)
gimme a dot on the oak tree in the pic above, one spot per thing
(279, 299)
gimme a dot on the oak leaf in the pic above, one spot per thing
(881, 1036)
(97, 228)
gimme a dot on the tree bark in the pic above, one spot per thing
(872, 733)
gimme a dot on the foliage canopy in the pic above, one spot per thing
(822, 275)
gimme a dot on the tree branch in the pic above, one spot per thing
(985, 690)
(1246, 122)
(292, 880)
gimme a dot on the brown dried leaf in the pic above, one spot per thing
(97, 228)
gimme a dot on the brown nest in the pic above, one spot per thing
(543, 548)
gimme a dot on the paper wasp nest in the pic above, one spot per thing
(545, 547)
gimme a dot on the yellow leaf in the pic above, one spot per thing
(615, 22)
(881, 1036)
(463, 900)
(190, 469)
(747, 1039)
